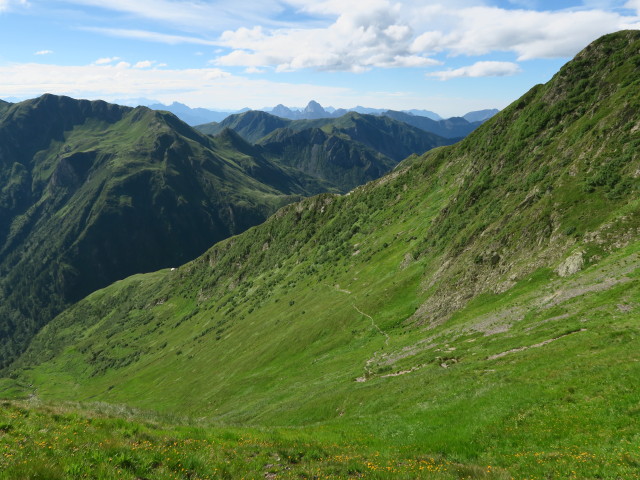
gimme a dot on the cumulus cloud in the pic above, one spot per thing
(144, 64)
(380, 33)
(480, 69)
(106, 60)
(361, 38)
(527, 33)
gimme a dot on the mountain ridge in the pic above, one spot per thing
(346, 151)
(94, 192)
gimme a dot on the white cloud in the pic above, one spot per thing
(254, 70)
(360, 35)
(527, 33)
(106, 60)
(635, 4)
(361, 38)
(144, 64)
(480, 69)
(5, 5)
(356, 36)
(44, 52)
(210, 87)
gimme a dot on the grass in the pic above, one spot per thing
(540, 412)
(66, 441)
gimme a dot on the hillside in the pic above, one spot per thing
(479, 303)
(4, 106)
(391, 138)
(345, 152)
(348, 151)
(333, 158)
(94, 192)
(251, 125)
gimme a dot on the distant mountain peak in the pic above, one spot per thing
(314, 107)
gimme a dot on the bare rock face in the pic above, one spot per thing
(573, 264)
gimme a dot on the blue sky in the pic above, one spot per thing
(447, 56)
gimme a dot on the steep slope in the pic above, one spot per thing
(4, 106)
(392, 138)
(251, 125)
(345, 152)
(480, 302)
(334, 158)
(93, 192)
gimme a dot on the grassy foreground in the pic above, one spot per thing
(105, 442)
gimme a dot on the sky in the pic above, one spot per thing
(450, 57)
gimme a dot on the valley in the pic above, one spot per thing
(472, 313)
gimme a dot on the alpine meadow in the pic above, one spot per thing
(472, 312)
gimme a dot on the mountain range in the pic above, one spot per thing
(471, 314)
(192, 116)
(253, 125)
(346, 151)
(93, 192)
(313, 110)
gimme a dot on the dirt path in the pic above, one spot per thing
(387, 337)
(537, 345)
(338, 289)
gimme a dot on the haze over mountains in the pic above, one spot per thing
(313, 110)
(255, 124)
(472, 313)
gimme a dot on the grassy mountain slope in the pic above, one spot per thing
(333, 158)
(480, 302)
(391, 138)
(4, 106)
(251, 125)
(94, 192)
(348, 151)
(345, 152)
(111, 442)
